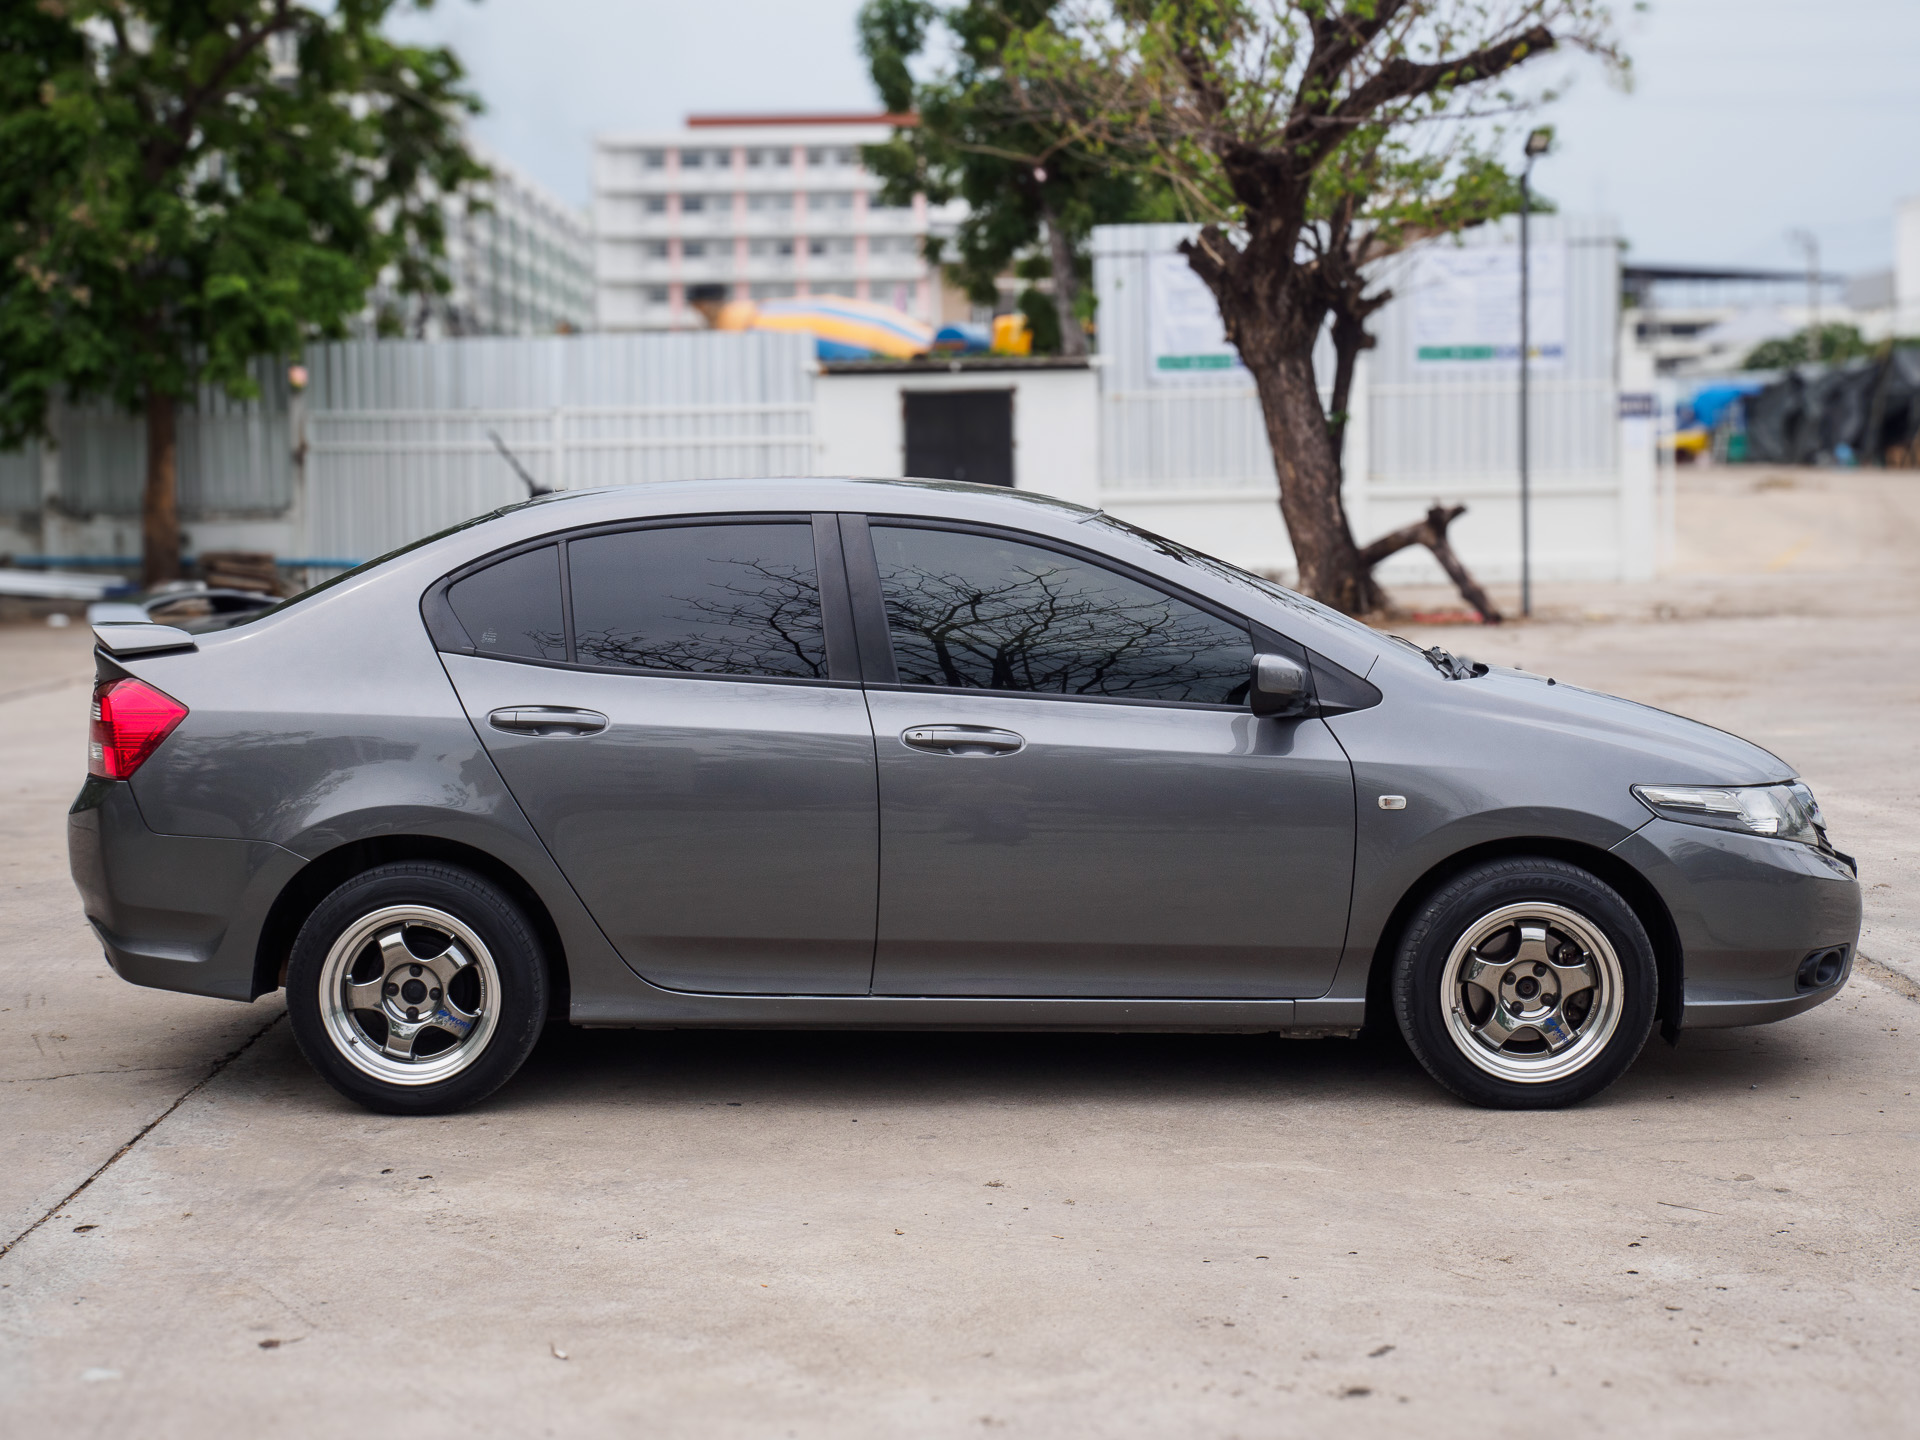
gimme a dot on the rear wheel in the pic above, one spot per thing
(417, 988)
(1526, 984)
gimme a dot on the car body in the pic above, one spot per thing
(873, 834)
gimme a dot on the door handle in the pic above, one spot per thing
(962, 740)
(547, 720)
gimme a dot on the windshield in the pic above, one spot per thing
(1232, 574)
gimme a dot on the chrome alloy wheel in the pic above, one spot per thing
(409, 995)
(1531, 993)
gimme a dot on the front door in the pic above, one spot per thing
(691, 762)
(960, 435)
(1075, 799)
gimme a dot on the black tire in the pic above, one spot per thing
(1599, 1005)
(494, 1005)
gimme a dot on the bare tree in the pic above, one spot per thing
(1244, 107)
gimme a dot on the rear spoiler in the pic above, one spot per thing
(141, 638)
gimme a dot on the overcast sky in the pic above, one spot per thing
(1748, 118)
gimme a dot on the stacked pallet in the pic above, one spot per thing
(240, 570)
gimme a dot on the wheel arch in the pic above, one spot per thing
(326, 872)
(1634, 888)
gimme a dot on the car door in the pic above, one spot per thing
(1075, 799)
(676, 707)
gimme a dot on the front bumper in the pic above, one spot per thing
(1748, 911)
(177, 912)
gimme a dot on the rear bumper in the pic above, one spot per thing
(1748, 911)
(176, 912)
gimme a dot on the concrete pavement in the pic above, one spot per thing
(832, 1235)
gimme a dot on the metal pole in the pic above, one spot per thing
(1526, 488)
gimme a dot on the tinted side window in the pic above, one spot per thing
(513, 608)
(979, 612)
(709, 599)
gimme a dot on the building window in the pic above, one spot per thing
(846, 157)
(825, 200)
(655, 204)
(654, 159)
(654, 249)
(834, 287)
(781, 201)
(692, 204)
(841, 246)
(692, 159)
(771, 290)
(693, 249)
(770, 247)
(656, 294)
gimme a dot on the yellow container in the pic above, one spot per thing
(1011, 335)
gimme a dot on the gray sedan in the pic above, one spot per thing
(832, 753)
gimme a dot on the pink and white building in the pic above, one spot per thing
(763, 207)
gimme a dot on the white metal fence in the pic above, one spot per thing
(1195, 459)
(399, 436)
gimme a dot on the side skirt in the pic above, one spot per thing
(664, 1010)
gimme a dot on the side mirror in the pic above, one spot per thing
(1279, 687)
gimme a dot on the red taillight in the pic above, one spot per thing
(130, 719)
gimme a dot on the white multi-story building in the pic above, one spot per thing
(520, 265)
(741, 207)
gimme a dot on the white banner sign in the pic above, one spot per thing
(1466, 304)
(1186, 342)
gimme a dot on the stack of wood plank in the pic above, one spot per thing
(240, 570)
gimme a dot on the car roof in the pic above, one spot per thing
(411, 570)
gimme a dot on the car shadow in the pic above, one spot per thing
(696, 1068)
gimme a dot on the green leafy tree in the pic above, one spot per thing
(1265, 117)
(978, 138)
(191, 184)
(1838, 342)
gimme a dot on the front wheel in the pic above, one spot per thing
(1525, 984)
(416, 988)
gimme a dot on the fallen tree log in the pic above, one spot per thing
(1432, 533)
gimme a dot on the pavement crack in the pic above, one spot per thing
(112, 1070)
(1886, 975)
(145, 1130)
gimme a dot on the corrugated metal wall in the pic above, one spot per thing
(235, 456)
(20, 480)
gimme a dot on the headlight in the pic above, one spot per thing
(1785, 812)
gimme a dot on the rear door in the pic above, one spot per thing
(1075, 799)
(676, 707)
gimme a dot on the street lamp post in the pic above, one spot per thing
(1538, 143)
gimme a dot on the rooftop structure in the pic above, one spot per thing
(739, 207)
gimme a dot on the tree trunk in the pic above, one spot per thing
(1349, 339)
(1066, 280)
(160, 506)
(1329, 562)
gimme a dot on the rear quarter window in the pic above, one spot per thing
(512, 608)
